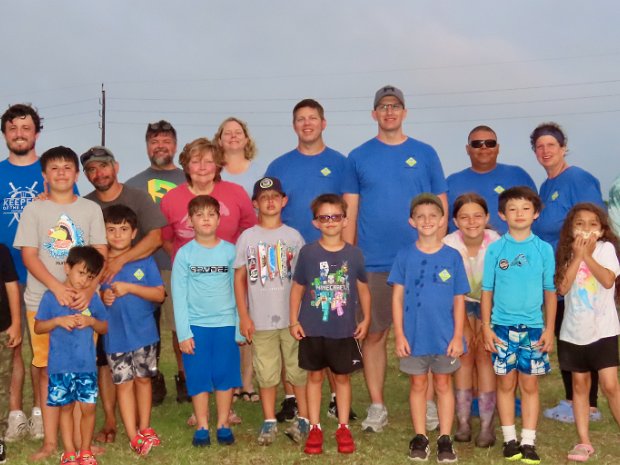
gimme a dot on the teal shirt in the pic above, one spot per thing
(518, 272)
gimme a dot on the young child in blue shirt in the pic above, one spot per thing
(517, 279)
(428, 307)
(71, 366)
(205, 315)
(329, 279)
(131, 341)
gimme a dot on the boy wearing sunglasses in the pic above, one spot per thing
(485, 176)
(329, 280)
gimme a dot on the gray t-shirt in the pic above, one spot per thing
(54, 229)
(149, 215)
(269, 279)
(157, 183)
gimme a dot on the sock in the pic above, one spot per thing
(36, 410)
(14, 413)
(343, 425)
(510, 433)
(333, 397)
(528, 436)
(289, 396)
(377, 405)
(318, 425)
(270, 420)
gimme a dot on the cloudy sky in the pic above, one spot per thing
(510, 65)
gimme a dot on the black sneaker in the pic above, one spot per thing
(419, 449)
(512, 450)
(332, 411)
(529, 455)
(158, 387)
(445, 451)
(2, 452)
(288, 412)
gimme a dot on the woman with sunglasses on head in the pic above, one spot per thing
(564, 187)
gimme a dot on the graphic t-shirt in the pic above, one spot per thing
(431, 281)
(131, 324)
(71, 351)
(330, 300)
(54, 229)
(590, 313)
(270, 256)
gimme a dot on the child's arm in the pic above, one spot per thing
(455, 348)
(99, 326)
(64, 294)
(15, 330)
(363, 292)
(489, 337)
(402, 345)
(545, 342)
(156, 294)
(603, 275)
(145, 248)
(68, 322)
(297, 293)
(246, 325)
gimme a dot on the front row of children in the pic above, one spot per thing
(307, 308)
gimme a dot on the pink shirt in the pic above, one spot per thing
(236, 213)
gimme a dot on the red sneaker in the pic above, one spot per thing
(141, 445)
(68, 458)
(344, 440)
(86, 457)
(314, 443)
(152, 435)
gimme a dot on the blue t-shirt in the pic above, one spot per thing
(518, 273)
(131, 324)
(431, 281)
(387, 178)
(202, 287)
(488, 186)
(559, 195)
(304, 178)
(70, 351)
(329, 303)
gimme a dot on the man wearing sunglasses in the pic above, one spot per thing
(381, 178)
(485, 176)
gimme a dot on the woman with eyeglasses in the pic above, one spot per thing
(564, 187)
(238, 154)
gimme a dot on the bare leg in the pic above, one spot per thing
(530, 402)
(506, 385)
(127, 405)
(302, 400)
(417, 402)
(343, 397)
(581, 405)
(107, 393)
(87, 425)
(247, 370)
(17, 380)
(50, 420)
(223, 401)
(144, 399)
(201, 410)
(66, 425)
(268, 402)
(374, 351)
(445, 402)
(315, 384)
(608, 380)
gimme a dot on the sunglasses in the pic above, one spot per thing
(337, 218)
(160, 126)
(490, 143)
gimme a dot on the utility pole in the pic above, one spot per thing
(102, 113)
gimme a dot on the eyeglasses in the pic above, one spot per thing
(393, 106)
(160, 126)
(337, 218)
(490, 143)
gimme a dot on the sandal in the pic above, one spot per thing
(250, 396)
(581, 453)
(236, 397)
(562, 412)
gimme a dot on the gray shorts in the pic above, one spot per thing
(420, 365)
(381, 302)
(167, 309)
(141, 363)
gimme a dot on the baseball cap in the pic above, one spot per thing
(389, 91)
(96, 153)
(426, 198)
(267, 184)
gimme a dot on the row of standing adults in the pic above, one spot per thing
(378, 179)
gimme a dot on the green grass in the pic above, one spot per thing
(390, 447)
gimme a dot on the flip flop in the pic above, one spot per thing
(581, 453)
(249, 396)
(236, 397)
(106, 436)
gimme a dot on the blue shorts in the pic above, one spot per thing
(518, 351)
(215, 364)
(66, 388)
(472, 308)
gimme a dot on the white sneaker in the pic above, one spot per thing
(17, 428)
(376, 420)
(35, 424)
(432, 417)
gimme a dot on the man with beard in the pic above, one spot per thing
(101, 169)
(160, 177)
(21, 182)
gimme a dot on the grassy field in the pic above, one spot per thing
(389, 447)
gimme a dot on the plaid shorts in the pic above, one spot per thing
(518, 351)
